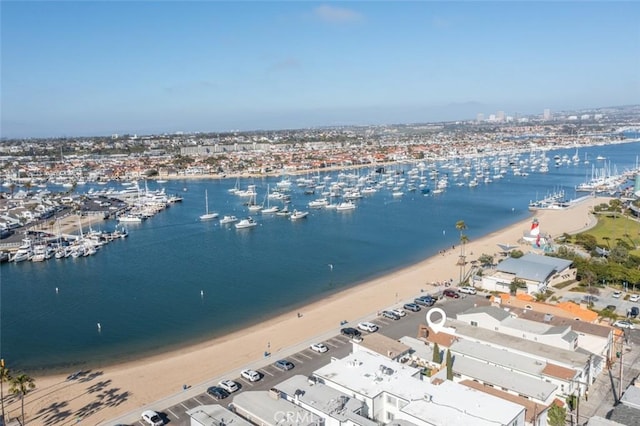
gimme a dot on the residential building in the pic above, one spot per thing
(215, 415)
(536, 271)
(392, 391)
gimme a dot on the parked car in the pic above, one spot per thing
(617, 294)
(467, 290)
(283, 364)
(634, 298)
(400, 312)
(624, 324)
(217, 392)
(152, 418)
(451, 293)
(229, 385)
(368, 326)
(350, 332)
(251, 375)
(413, 307)
(390, 315)
(424, 300)
(319, 347)
(634, 311)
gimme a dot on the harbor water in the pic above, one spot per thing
(176, 280)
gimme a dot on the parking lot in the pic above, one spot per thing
(603, 299)
(305, 362)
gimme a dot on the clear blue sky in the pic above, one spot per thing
(97, 68)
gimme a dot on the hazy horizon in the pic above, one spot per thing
(99, 68)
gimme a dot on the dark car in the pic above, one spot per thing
(350, 332)
(634, 312)
(451, 293)
(413, 307)
(424, 300)
(283, 364)
(390, 315)
(217, 392)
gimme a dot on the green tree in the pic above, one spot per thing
(485, 259)
(516, 254)
(515, 284)
(5, 376)
(618, 254)
(436, 354)
(449, 365)
(556, 415)
(21, 385)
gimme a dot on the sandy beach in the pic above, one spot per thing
(108, 392)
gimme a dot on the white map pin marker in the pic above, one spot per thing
(436, 326)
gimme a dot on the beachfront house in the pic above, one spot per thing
(380, 344)
(573, 370)
(536, 271)
(395, 392)
(214, 415)
(268, 408)
(335, 408)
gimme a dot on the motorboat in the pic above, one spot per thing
(347, 205)
(246, 223)
(319, 203)
(228, 219)
(298, 215)
(284, 212)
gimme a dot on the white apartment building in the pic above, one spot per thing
(394, 392)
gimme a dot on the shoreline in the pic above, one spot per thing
(157, 377)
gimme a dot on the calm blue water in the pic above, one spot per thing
(146, 291)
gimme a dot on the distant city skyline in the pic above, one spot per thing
(98, 68)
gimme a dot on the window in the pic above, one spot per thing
(474, 323)
(391, 400)
(389, 416)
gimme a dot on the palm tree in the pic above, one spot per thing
(21, 385)
(461, 226)
(4, 377)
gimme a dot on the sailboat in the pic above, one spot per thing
(207, 215)
(270, 208)
(253, 206)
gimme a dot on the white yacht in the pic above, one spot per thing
(298, 215)
(228, 219)
(130, 218)
(347, 205)
(246, 223)
(318, 204)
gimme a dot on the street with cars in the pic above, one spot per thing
(310, 357)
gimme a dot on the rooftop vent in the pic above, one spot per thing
(548, 317)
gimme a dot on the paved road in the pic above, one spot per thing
(605, 391)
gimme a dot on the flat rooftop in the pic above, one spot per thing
(575, 359)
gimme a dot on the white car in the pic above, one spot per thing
(634, 298)
(368, 326)
(152, 418)
(399, 312)
(229, 385)
(624, 324)
(467, 290)
(617, 294)
(319, 347)
(250, 375)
